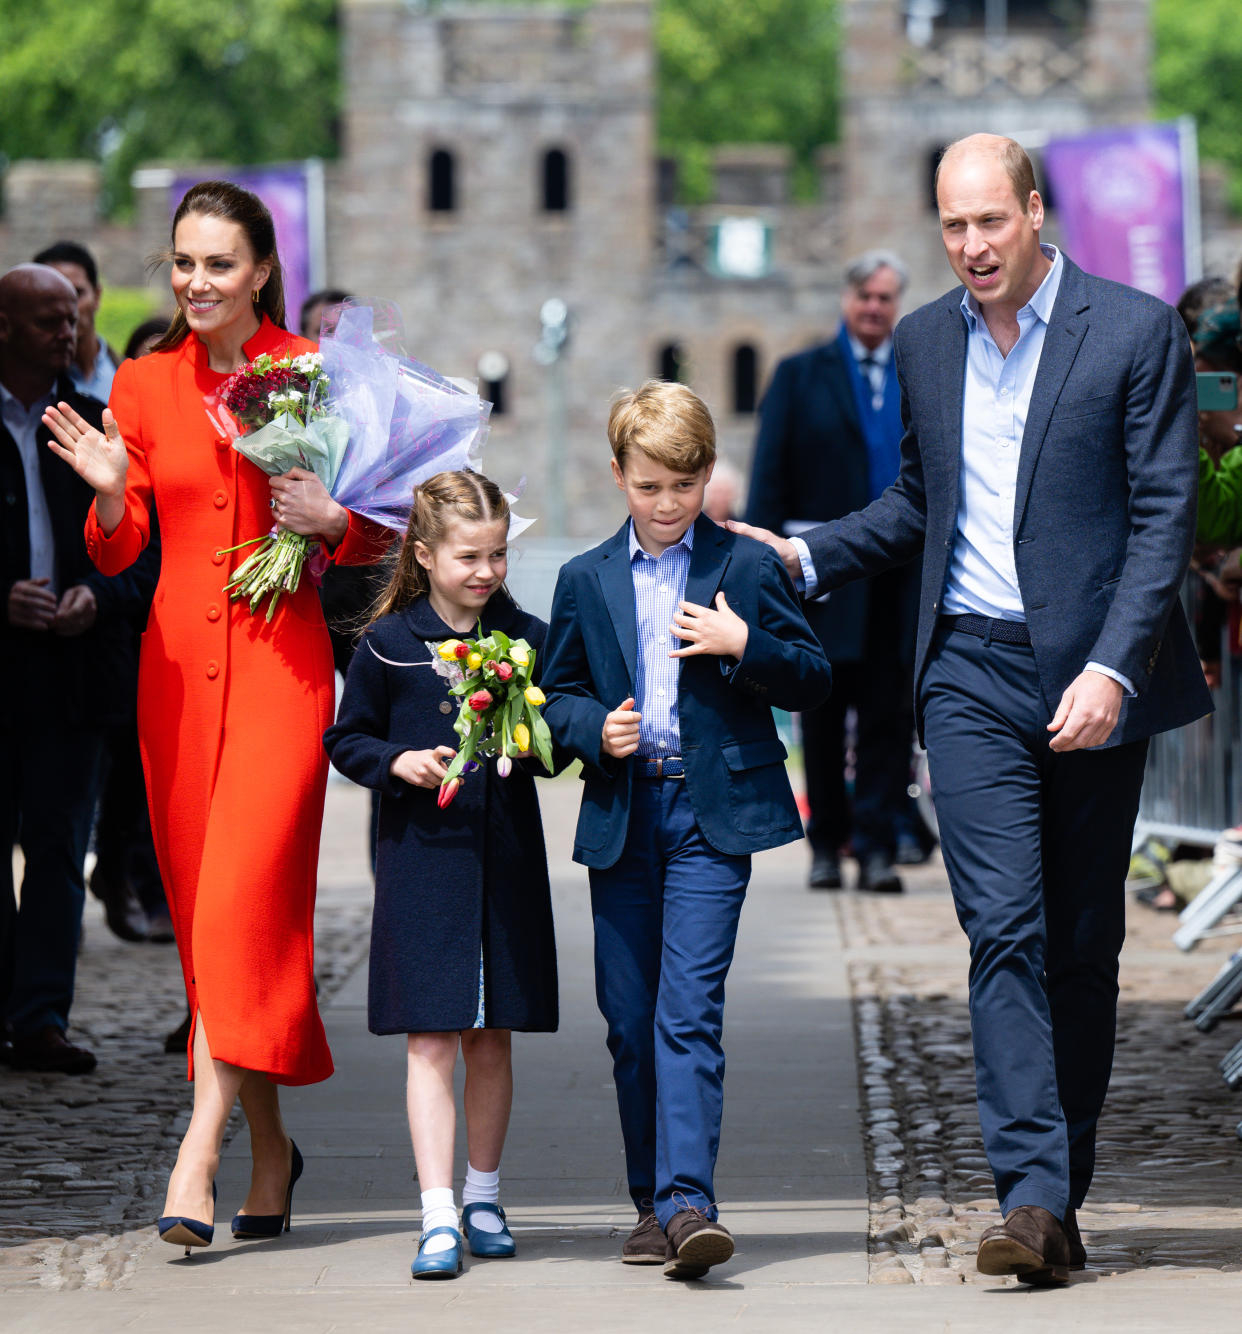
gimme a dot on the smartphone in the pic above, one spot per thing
(1218, 391)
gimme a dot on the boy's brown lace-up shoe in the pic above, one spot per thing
(646, 1245)
(695, 1243)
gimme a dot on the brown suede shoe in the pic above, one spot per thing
(1073, 1239)
(48, 1050)
(695, 1243)
(1030, 1243)
(647, 1244)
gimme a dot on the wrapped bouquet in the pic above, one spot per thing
(370, 422)
(499, 710)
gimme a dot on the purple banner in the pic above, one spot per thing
(1120, 197)
(291, 195)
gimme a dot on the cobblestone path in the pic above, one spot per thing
(1167, 1196)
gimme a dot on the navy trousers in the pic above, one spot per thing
(1036, 845)
(666, 920)
(48, 783)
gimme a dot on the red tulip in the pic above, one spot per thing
(480, 700)
(447, 792)
(462, 650)
(504, 670)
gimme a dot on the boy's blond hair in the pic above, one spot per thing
(667, 422)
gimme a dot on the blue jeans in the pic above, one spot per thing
(1036, 844)
(48, 784)
(666, 920)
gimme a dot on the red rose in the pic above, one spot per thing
(480, 700)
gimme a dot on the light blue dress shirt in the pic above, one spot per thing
(98, 384)
(982, 577)
(659, 585)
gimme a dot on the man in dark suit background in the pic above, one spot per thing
(63, 639)
(1048, 475)
(829, 442)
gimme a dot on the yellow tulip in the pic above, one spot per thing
(520, 656)
(521, 736)
(474, 661)
(448, 650)
(534, 695)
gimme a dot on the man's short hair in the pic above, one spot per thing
(70, 252)
(329, 296)
(1013, 157)
(667, 422)
(870, 262)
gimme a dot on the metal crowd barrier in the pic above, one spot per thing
(1193, 790)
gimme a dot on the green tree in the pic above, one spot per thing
(128, 81)
(1198, 72)
(760, 71)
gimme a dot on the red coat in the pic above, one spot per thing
(231, 711)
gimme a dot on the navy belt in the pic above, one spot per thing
(668, 766)
(988, 629)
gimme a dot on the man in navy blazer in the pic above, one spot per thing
(829, 442)
(668, 647)
(1048, 477)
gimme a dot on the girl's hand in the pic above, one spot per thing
(303, 505)
(99, 458)
(706, 630)
(422, 768)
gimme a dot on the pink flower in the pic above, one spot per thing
(504, 670)
(480, 700)
(447, 792)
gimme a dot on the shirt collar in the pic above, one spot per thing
(1040, 305)
(687, 541)
(879, 355)
(11, 405)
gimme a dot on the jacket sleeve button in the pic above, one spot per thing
(219, 500)
(213, 670)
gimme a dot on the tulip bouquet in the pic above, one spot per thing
(499, 713)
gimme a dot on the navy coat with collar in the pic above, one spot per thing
(1104, 516)
(810, 465)
(446, 881)
(81, 679)
(735, 762)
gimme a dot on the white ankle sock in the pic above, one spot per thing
(439, 1210)
(482, 1188)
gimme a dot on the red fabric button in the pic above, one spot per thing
(213, 670)
(219, 500)
(222, 442)
(218, 558)
(213, 613)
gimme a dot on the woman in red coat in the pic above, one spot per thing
(231, 708)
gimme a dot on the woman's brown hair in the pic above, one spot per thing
(223, 199)
(437, 502)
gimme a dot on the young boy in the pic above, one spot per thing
(667, 649)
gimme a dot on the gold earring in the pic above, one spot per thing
(254, 296)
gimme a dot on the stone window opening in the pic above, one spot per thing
(745, 379)
(672, 363)
(493, 371)
(556, 194)
(442, 182)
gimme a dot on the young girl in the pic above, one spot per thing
(462, 950)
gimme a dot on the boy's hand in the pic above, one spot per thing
(620, 732)
(722, 631)
(422, 768)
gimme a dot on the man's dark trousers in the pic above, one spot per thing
(666, 917)
(1036, 844)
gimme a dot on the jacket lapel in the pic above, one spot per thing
(953, 403)
(836, 380)
(617, 585)
(707, 562)
(1062, 340)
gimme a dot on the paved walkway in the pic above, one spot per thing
(793, 1178)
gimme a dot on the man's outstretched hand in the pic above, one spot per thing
(781, 545)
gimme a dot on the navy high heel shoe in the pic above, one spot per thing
(250, 1227)
(187, 1232)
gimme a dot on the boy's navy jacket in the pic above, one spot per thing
(446, 881)
(734, 760)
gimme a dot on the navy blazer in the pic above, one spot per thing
(1104, 516)
(811, 464)
(735, 762)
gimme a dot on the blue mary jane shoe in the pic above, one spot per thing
(489, 1245)
(439, 1264)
